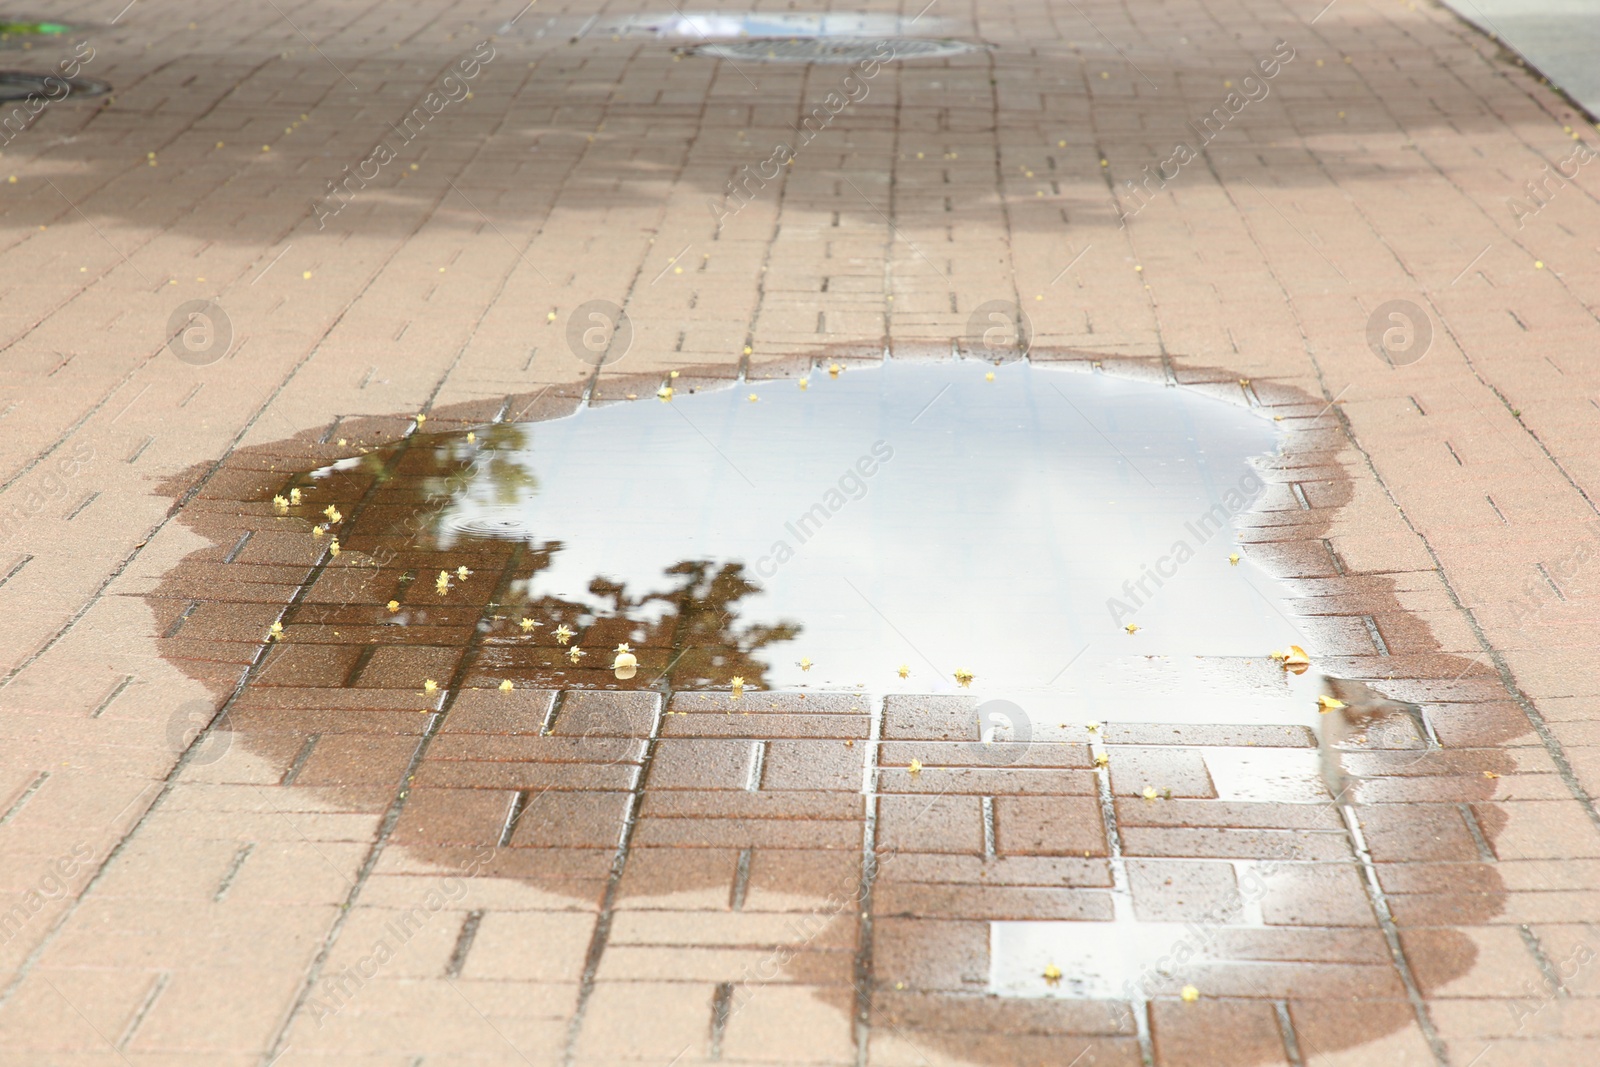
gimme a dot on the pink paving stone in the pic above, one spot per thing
(1450, 500)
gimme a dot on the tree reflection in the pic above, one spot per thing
(687, 631)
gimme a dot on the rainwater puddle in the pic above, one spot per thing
(714, 25)
(915, 519)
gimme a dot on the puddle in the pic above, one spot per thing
(835, 50)
(915, 515)
(713, 25)
(1097, 960)
(810, 541)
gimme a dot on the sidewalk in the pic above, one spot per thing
(1347, 239)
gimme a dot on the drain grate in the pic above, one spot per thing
(842, 50)
(20, 85)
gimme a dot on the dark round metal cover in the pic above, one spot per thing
(842, 50)
(20, 85)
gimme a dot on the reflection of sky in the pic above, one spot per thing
(713, 25)
(1009, 513)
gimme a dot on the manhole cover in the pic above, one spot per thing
(843, 50)
(19, 85)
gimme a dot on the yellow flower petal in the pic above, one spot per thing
(904, 671)
(805, 664)
(1190, 994)
(1326, 704)
(963, 677)
(1131, 628)
(916, 766)
(506, 686)
(394, 605)
(430, 686)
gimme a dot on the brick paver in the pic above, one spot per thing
(344, 869)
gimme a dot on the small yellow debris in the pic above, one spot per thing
(430, 686)
(394, 605)
(1234, 559)
(1326, 703)
(916, 766)
(1092, 727)
(1189, 994)
(1538, 264)
(1295, 656)
(834, 369)
(963, 677)
(334, 547)
(280, 505)
(805, 383)
(471, 437)
(1052, 974)
(527, 625)
(441, 584)
(463, 573)
(752, 398)
(563, 635)
(276, 633)
(904, 670)
(747, 350)
(575, 653)
(421, 418)
(332, 513)
(1101, 760)
(294, 496)
(506, 686)
(1150, 793)
(1490, 774)
(989, 377)
(1131, 628)
(674, 374)
(805, 664)
(316, 532)
(664, 393)
(550, 317)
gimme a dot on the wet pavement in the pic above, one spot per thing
(379, 374)
(1170, 821)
